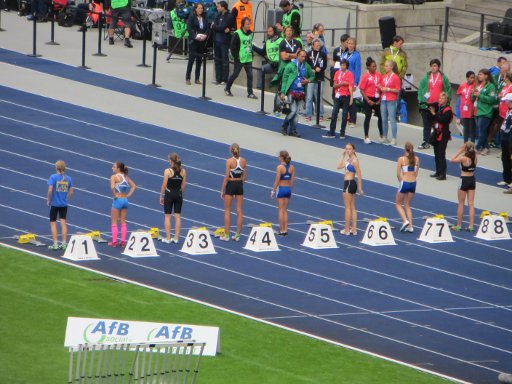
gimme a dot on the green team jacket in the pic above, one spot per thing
(422, 100)
(486, 101)
(290, 72)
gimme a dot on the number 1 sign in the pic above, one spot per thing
(81, 247)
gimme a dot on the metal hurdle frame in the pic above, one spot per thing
(135, 363)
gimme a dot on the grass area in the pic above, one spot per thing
(38, 295)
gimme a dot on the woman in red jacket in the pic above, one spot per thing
(466, 113)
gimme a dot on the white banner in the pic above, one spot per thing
(81, 330)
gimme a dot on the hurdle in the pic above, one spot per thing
(165, 363)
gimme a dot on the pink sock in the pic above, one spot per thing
(114, 233)
(123, 232)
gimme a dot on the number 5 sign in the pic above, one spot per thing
(140, 244)
(378, 233)
(319, 236)
(493, 227)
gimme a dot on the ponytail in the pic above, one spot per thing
(409, 149)
(122, 167)
(176, 163)
(285, 156)
(470, 151)
(235, 150)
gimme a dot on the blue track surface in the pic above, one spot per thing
(446, 307)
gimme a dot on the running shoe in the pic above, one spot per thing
(404, 226)
(112, 244)
(54, 247)
(166, 241)
(392, 142)
(224, 238)
(485, 152)
(236, 237)
(470, 229)
(282, 234)
(424, 145)
(456, 228)
(501, 183)
(122, 244)
(367, 141)
(328, 136)
(409, 229)
(63, 246)
(175, 240)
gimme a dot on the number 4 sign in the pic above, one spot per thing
(436, 230)
(140, 244)
(81, 247)
(378, 233)
(319, 236)
(493, 227)
(262, 239)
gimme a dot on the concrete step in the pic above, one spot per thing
(491, 8)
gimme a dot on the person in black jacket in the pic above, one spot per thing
(442, 116)
(198, 30)
(317, 60)
(223, 24)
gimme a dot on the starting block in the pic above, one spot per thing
(95, 235)
(436, 230)
(219, 232)
(378, 232)
(320, 236)
(484, 213)
(505, 217)
(29, 238)
(493, 227)
(262, 239)
(265, 225)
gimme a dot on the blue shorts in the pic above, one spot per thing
(120, 203)
(407, 187)
(283, 192)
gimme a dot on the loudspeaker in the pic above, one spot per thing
(387, 26)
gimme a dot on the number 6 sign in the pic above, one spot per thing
(378, 233)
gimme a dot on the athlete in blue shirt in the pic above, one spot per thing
(282, 189)
(60, 189)
(407, 168)
(122, 187)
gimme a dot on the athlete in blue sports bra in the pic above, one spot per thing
(122, 188)
(407, 168)
(233, 187)
(350, 162)
(282, 189)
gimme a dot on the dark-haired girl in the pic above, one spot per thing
(466, 157)
(171, 196)
(485, 98)
(198, 29)
(465, 112)
(371, 97)
(122, 187)
(351, 186)
(407, 168)
(233, 187)
(282, 189)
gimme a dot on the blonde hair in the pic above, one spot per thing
(235, 150)
(409, 148)
(60, 166)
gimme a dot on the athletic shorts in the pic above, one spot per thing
(61, 212)
(283, 192)
(120, 203)
(234, 188)
(467, 183)
(407, 187)
(350, 186)
(173, 202)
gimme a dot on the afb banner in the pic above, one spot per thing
(81, 330)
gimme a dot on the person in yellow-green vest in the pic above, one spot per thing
(241, 50)
(291, 17)
(270, 51)
(395, 53)
(121, 10)
(179, 25)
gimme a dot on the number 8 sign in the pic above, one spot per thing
(493, 227)
(378, 233)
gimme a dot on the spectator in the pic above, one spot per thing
(442, 116)
(178, 24)
(270, 51)
(389, 89)
(317, 60)
(369, 87)
(291, 17)
(308, 45)
(60, 190)
(296, 75)
(241, 50)
(495, 69)
(222, 25)
(395, 54)
(318, 32)
(198, 31)
(288, 48)
(121, 10)
(431, 85)
(484, 97)
(502, 88)
(353, 57)
(343, 98)
(39, 10)
(465, 113)
(338, 52)
(506, 144)
(241, 10)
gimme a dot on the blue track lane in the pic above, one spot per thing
(444, 307)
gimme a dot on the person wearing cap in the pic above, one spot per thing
(291, 17)
(506, 145)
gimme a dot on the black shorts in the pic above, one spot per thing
(124, 14)
(350, 186)
(173, 201)
(467, 183)
(234, 188)
(58, 211)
